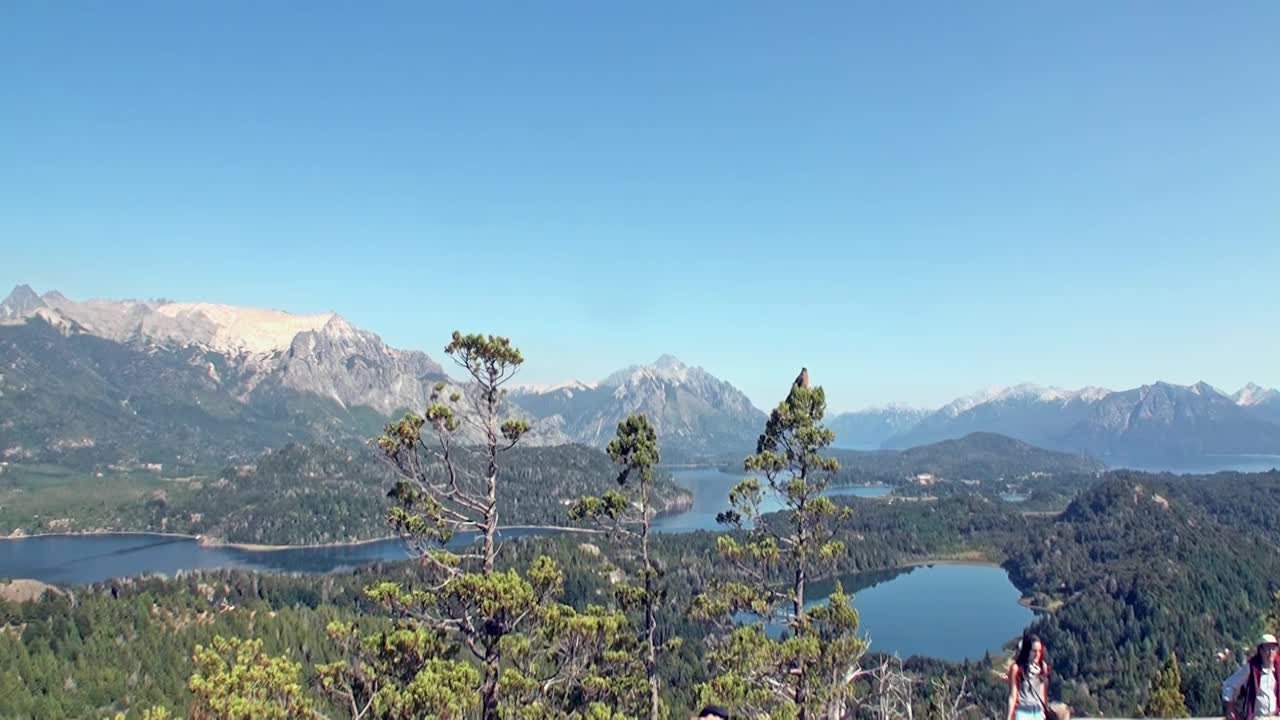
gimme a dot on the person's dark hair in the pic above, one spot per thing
(1024, 652)
(714, 711)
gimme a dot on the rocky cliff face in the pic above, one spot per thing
(265, 351)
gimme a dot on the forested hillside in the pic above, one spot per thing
(304, 494)
(1137, 568)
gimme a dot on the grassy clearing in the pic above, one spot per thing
(48, 498)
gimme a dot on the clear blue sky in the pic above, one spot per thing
(913, 199)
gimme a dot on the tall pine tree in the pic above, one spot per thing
(628, 514)
(807, 672)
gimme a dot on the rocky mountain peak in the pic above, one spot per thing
(1205, 389)
(22, 302)
(339, 326)
(669, 362)
(1254, 394)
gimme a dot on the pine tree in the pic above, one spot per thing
(629, 515)
(235, 680)
(538, 658)
(449, 486)
(1165, 698)
(807, 672)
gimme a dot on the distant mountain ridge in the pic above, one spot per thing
(698, 417)
(1155, 423)
(868, 429)
(1028, 412)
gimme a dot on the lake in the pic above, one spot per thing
(951, 612)
(79, 559)
(91, 558)
(1208, 464)
(947, 611)
(710, 488)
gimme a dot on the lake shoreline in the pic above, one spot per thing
(211, 542)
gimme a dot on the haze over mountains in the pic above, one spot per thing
(161, 381)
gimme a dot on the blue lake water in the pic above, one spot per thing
(78, 559)
(710, 488)
(951, 612)
(945, 611)
(90, 558)
(1213, 463)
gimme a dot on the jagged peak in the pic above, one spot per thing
(667, 368)
(667, 361)
(1203, 388)
(1200, 388)
(21, 302)
(339, 325)
(1254, 394)
(22, 291)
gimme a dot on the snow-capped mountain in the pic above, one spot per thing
(867, 429)
(1161, 421)
(1259, 401)
(263, 351)
(1151, 424)
(696, 415)
(1032, 413)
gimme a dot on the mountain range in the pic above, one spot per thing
(1153, 424)
(147, 382)
(195, 383)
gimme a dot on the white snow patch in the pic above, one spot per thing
(252, 329)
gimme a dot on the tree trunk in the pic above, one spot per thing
(802, 679)
(489, 688)
(650, 619)
(491, 501)
(493, 655)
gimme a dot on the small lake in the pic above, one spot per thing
(952, 611)
(710, 488)
(1208, 464)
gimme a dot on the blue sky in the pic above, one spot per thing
(912, 199)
